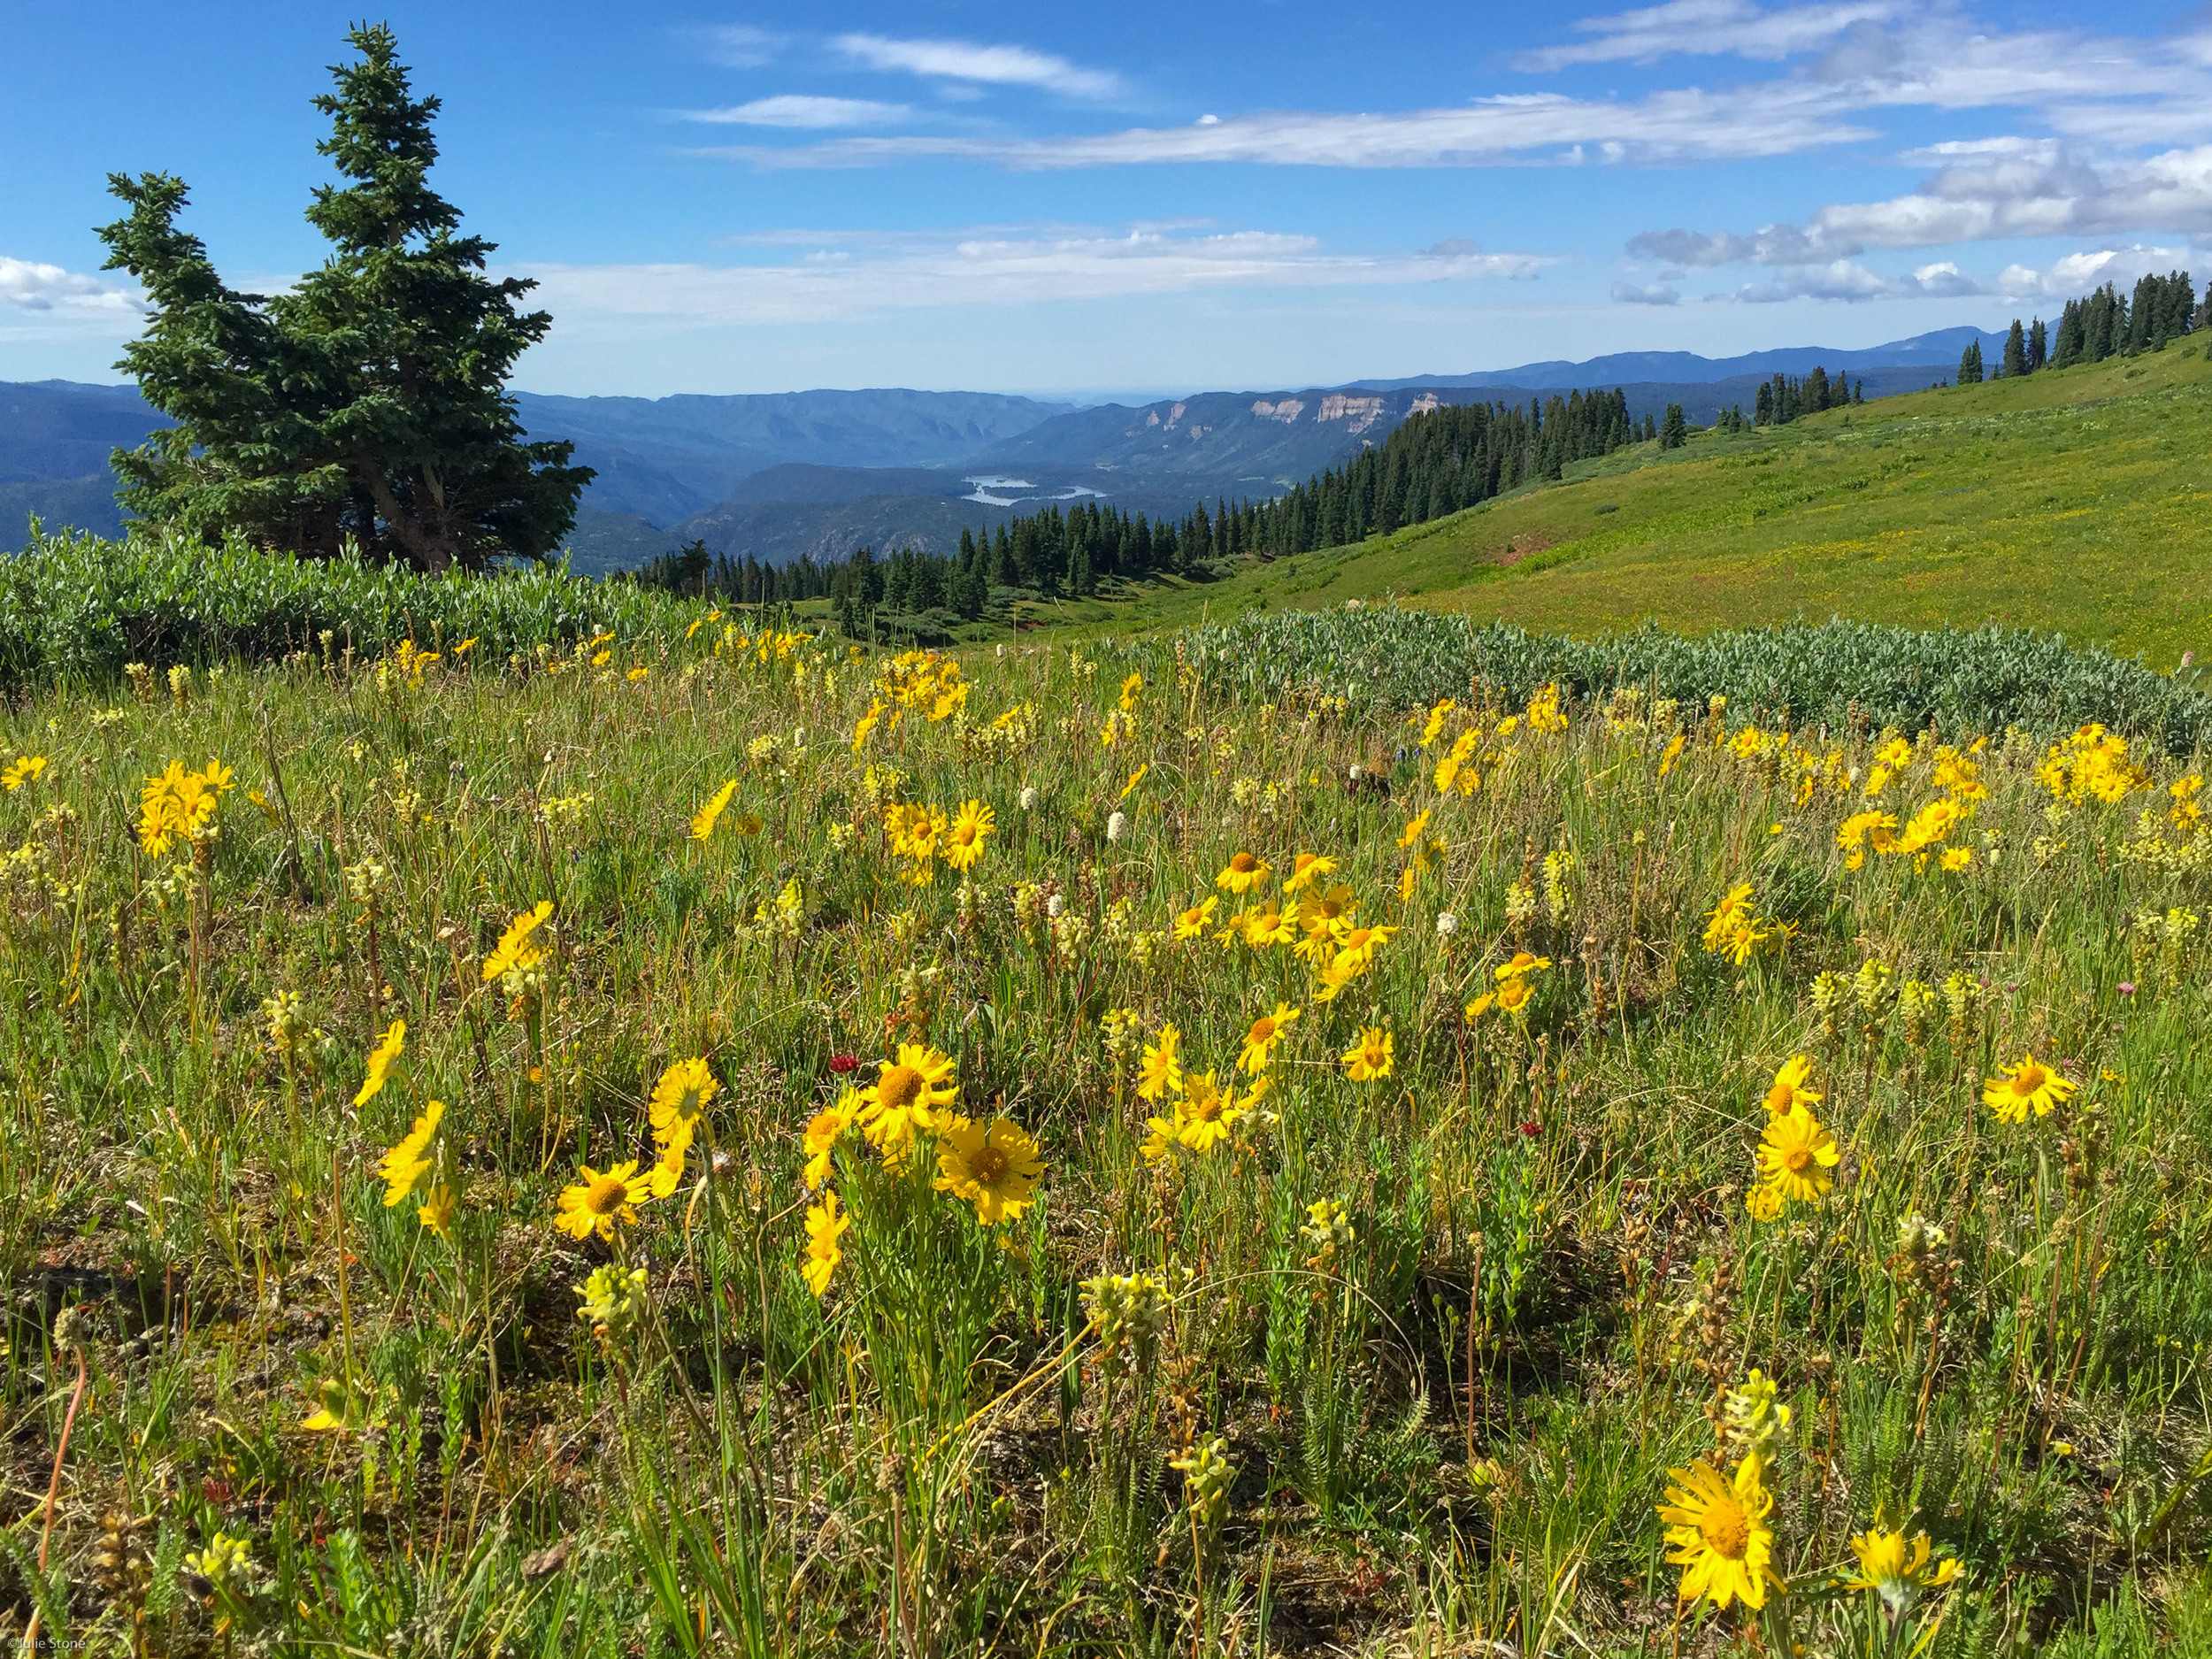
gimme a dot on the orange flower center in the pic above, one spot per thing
(607, 1195)
(1244, 863)
(1262, 1030)
(963, 835)
(1725, 1530)
(1797, 1160)
(902, 1088)
(988, 1167)
(2030, 1079)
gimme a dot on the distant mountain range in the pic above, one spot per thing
(821, 473)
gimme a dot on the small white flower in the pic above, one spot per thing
(1054, 906)
(1446, 924)
(1116, 825)
(1357, 771)
(1028, 798)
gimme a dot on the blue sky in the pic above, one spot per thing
(1152, 197)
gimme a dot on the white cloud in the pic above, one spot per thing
(2076, 274)
(798, 110)
(1666, 126)
(1657, 294)
(1706, 29)
(974, 61)
(994, 268)
(1850, 282)
(48, 288)
(2000, 189)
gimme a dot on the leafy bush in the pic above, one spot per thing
(79, 607)
(1980, 679)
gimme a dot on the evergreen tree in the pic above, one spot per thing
(2016, 359)
(1817, 390)
(1762, 405)
(2038, 345)
(1674, 431)
(366, 407)
(1970, 365)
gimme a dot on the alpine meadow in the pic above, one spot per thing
(1581, 1034)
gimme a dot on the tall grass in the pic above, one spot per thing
(1397, 1365)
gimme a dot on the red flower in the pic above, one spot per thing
(1532, 1128)
(841, 1063)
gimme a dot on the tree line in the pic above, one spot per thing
(2104, 324)
(1436, 461)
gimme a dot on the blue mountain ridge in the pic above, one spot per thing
(821, 473)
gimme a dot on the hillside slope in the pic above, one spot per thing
(2076, 500)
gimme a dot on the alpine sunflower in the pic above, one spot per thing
(1895, 1567)
(964, 841)
(1795, 1155)
(823, 1130)
(406, 1165)
(1307, 867)
(1262, 1040)
(703, 820)
(994, 1166)
(826, 1223)
(1718, 1531)
(388, 1048)
(679, 1096)
(518, 950)
(1241, 874)
(2030, 1085)
(1161, 1069)
(1371, 1056)
(598, 1202)
(1789, 1089)
(904, 1097)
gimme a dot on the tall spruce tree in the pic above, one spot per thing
(1674, 432)
(2015, 361)
(367, 407)
(2038, 345)
(1970, 365)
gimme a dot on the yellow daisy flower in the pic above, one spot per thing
(679, 1098)
(1371, 1056)
(903, 1099)
(1795, 1155)
(1241, 874)
(388, 1048)
(1718, 1531)
(406, 1165)
(1260, 1043)
(1194, 921)
(703, 820)
(1307, 867)
(994, 1166)
(964, 841)
(518, 950)
(2030, 1085)
(1522, 963)
(599, 1202)
(1895, 1567)
(1789, 1089)
(1160, 1068)
(826, 1223)
(823, 1130)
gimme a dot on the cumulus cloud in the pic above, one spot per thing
(1657, 294)
(1706, 29)
(1989, 190)
(978, 62)
(1850, 282)
(2076, 274)
(48, 288)
(1000, 266)
(798, 110)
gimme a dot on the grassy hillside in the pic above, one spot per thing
(2071, 501)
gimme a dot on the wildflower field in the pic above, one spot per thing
(716, 1140)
